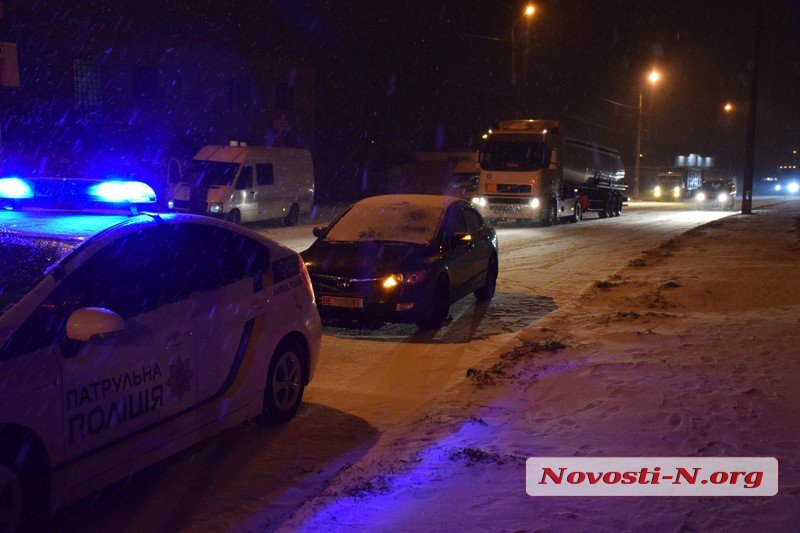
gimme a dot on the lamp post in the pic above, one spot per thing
(527, 14)
(653, 78)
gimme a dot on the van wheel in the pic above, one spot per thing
(291, 218)
(23, 488)
(234, 217)
(285, 385)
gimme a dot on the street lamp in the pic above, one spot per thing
(728, 107)
(527, 14)
(653, 77)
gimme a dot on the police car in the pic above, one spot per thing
(126, 338)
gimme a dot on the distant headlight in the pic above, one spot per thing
(657, 191)
(215, 208)
(722, 198)
(535, 203)
(700, 197)
(778, 187)
(171, 204)
(793, 187)
(481, 202)
(676, 192)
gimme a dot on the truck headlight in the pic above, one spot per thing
(535, 203)
(479, 201)
(676, 192)
(700, 197)
(778, 187)
(722, 198)
(657, 191)
(793, 187)
(215, 208)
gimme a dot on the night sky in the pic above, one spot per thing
(437, 73)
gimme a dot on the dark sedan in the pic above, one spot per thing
(402, 258)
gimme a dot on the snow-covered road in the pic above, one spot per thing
(370, 380)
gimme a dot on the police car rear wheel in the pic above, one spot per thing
(23, 485)
(12, 499)
(285, 384)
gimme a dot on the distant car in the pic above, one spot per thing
(402, 258)
(124, 339)
(668, 188)
(716, 192)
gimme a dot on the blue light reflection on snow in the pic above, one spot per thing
(386, 503)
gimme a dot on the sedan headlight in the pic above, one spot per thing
(700, 197)
(778, 187)
(793, 187)
(170, 204)
(409, 278)
(215, 208)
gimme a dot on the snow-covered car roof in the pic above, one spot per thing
(426, 200)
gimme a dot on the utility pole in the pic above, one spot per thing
(750, 148)
(638, 161)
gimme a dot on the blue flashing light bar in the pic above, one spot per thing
(74, 193)
(118, 192)
(14, 188)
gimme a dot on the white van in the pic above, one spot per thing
(244, 183)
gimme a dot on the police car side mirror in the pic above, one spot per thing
(318, 231)
(89, 323)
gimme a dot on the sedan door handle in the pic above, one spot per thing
(178, 340)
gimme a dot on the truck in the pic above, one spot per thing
(243, 183)
(531, 171)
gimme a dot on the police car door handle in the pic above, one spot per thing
(178, 340)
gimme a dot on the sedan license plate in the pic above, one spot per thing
(340, 301)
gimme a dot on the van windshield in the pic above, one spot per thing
(210, 172)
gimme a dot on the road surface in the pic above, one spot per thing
(370, 380)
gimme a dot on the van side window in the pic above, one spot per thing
(245, 178)
(264, 174)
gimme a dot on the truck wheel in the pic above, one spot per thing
(577, 214)
(608, 208)
(291, 218)
(234, 217)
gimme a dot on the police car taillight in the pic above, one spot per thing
(306, 279)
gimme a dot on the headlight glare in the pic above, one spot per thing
(793, 187)
(657, 191)
(700, 197)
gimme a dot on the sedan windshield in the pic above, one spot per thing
(400, 222)
(210, 172)
(25, 262)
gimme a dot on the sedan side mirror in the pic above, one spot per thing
(89, 323)
(319, 231)
(460, 239)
